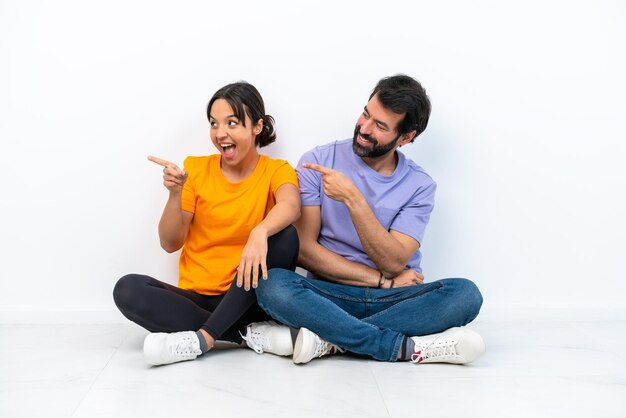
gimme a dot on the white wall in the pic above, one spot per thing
(526, 139)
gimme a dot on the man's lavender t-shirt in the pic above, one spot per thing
(402, 202)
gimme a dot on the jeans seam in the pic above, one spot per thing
(396, 347)
(332, 295)
(400, 296)
(406, 300)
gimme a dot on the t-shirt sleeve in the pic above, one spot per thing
(188, 199)
(310, 181)
(284, 174)
(413, 218)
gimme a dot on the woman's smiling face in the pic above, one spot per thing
(234, 139)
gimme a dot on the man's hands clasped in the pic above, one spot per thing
(408, 278)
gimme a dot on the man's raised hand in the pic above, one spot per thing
(337, 185)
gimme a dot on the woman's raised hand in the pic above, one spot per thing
(173, 177)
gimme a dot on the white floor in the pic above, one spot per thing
(531, 369)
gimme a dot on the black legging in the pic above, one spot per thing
(161, 307)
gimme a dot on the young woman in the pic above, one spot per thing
(231, 213)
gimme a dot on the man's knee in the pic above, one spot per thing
(470, 297)
(276, 289)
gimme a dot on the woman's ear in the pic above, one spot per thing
(258, 127)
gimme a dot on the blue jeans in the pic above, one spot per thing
(365, 320)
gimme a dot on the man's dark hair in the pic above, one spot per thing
(403, 94)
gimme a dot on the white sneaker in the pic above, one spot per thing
(163, 348)
(269, 337)
(309, 346)
(454, 345)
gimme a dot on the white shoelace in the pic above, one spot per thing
(433, 350)
(184, 347)
(255, 340)
(324, 347)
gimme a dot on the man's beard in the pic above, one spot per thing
(376, 150)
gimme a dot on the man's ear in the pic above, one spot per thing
(406, 138)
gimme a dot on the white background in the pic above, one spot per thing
(526, 139)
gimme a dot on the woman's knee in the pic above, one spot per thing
(125, 290)
(288, 236)
(283, 248)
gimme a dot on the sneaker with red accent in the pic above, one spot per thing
(455, 345)
(309, 346)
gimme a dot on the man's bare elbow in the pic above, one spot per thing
(393, 269)
(304, 256)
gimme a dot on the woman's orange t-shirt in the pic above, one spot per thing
(224, 215)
